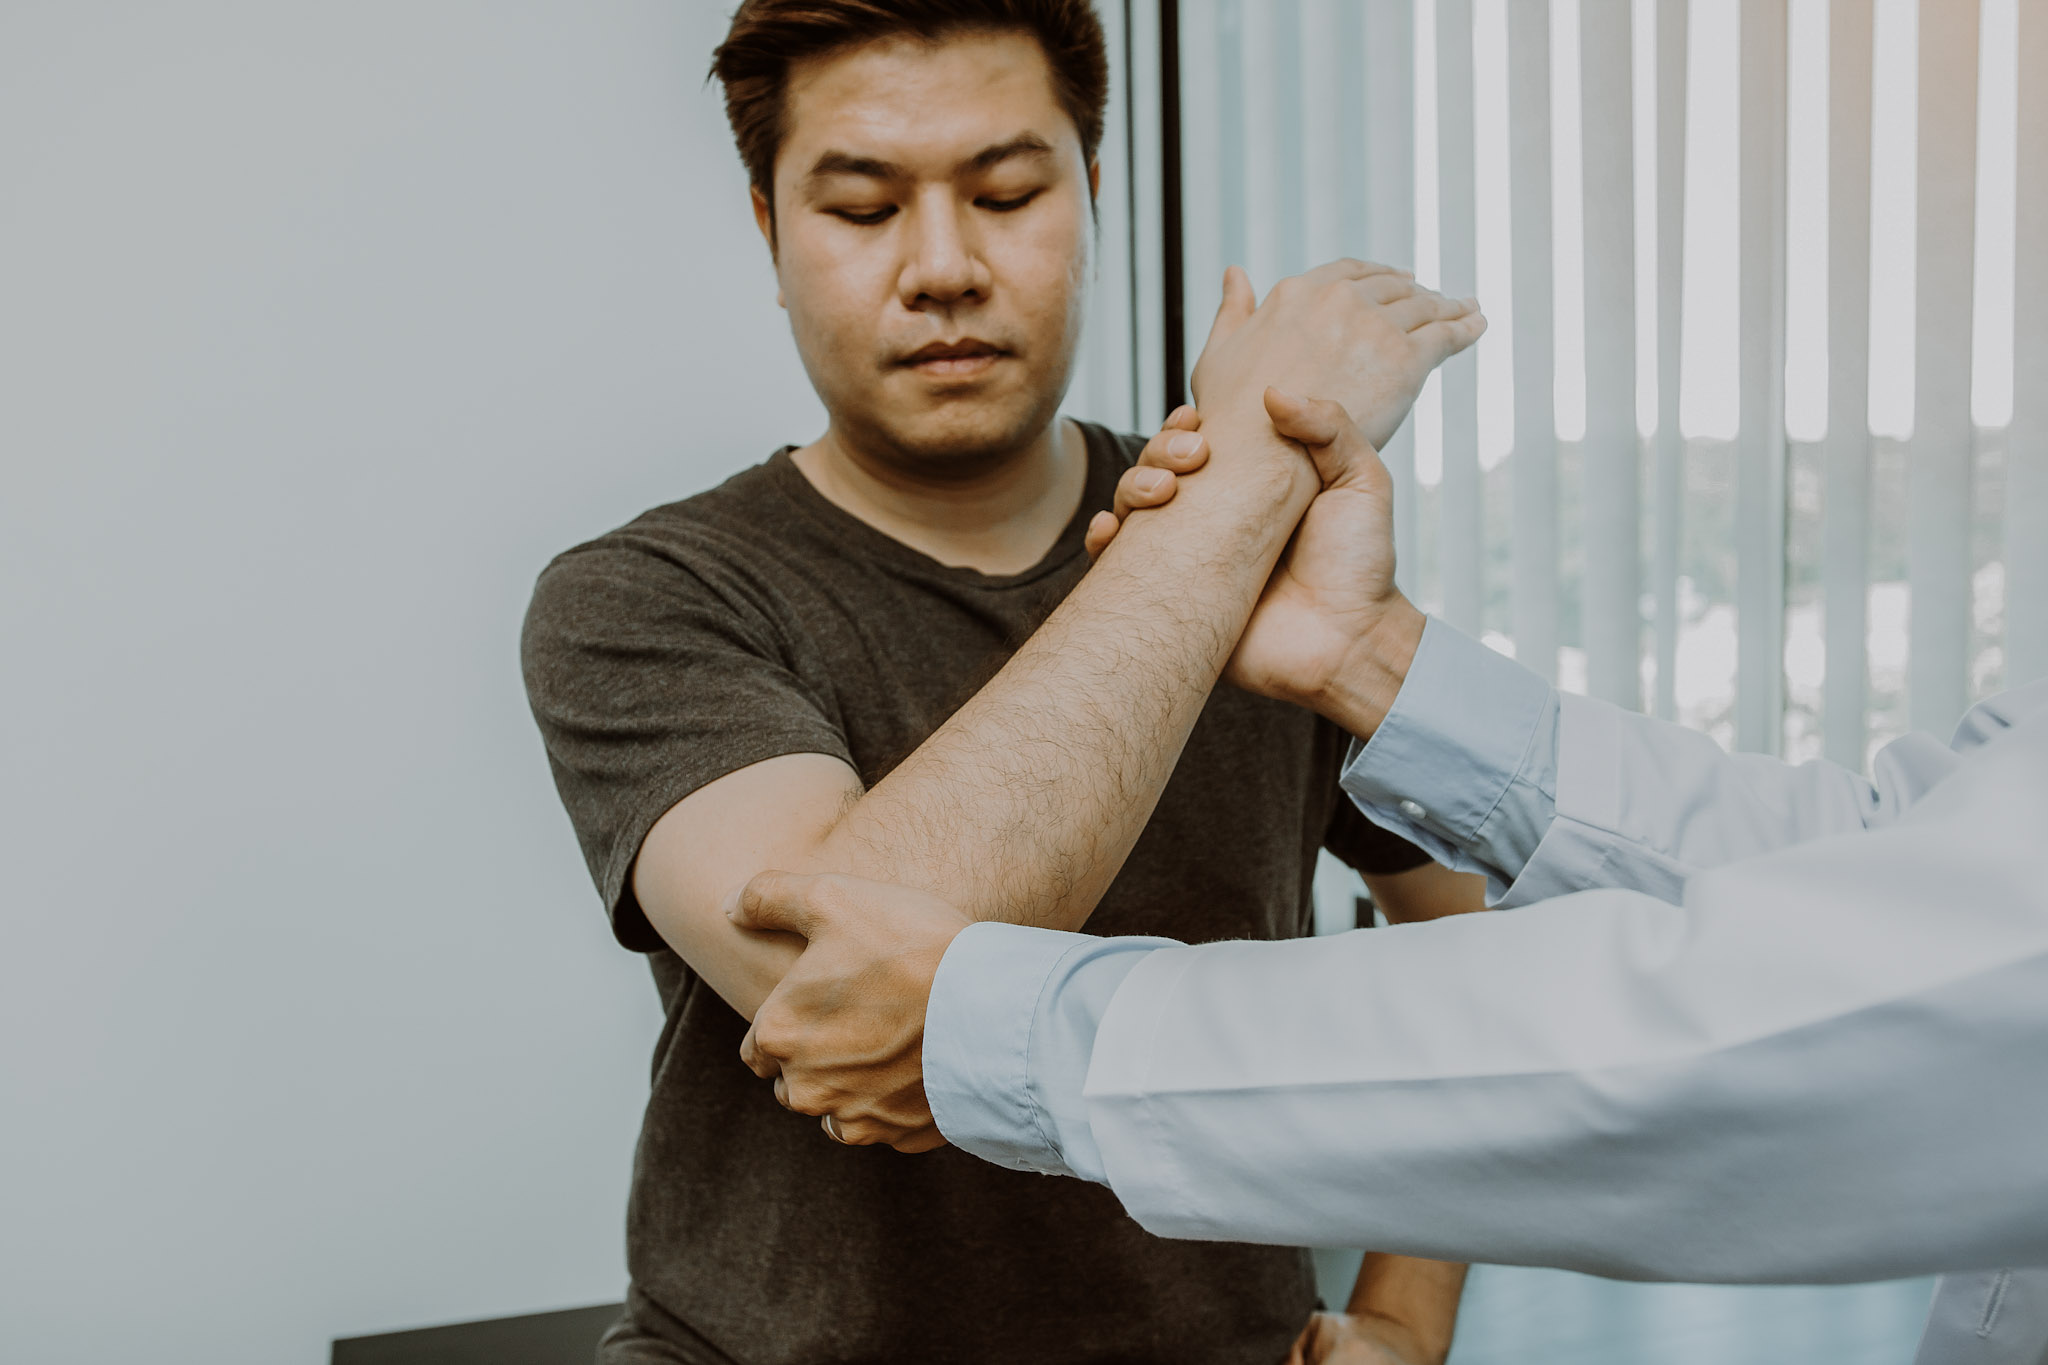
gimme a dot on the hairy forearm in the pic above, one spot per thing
(1024, 804)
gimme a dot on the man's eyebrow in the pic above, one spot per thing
(1024, 144)
(846, 163)
(873, 168)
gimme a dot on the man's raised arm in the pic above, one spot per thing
(1024, 804)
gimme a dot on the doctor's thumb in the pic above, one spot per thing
(775, 901)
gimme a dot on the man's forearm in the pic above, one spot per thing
(1420, 1297)
(1024, 804)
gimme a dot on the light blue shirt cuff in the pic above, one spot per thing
(1465, 764)
(1008, 1036)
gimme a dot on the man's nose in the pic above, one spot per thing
(944, 264)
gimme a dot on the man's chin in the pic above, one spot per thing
(961, 440)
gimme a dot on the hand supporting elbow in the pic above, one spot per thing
(843, 1034)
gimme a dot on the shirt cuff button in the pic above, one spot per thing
(1413, 810)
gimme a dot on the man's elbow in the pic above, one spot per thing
(1431, 891)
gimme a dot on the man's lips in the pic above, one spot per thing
(954, 359)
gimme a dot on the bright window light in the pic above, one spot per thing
(1568, 238)
(1998, 100)
(1894, 227)
(1429, 410)
(1709, 402)
(1643, 89)
(1806, 223)
(1494, 236)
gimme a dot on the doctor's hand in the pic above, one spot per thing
(1331, 631)
(843, 1033)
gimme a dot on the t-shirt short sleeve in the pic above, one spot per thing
(651, 676)
(1366, 846)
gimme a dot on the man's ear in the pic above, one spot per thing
(764, 219)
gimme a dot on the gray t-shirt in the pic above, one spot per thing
(758, 619)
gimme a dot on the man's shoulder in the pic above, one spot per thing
(720, 522)
(705, 548)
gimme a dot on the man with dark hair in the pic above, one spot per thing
(884, 653)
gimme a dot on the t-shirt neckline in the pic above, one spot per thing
(1097, 491)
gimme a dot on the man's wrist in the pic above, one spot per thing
(1262, 469)
(1361, 690)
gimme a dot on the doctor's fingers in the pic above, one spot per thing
(757, 1060)
(1138, 489)
(860, 1120)
(928, 1139)
(873, 1132)
(1144, 486)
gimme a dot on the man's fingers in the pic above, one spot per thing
(1387, 287)
(1350, 268)
(1452, 335)
(1426, 306)
(1183, 418)
(1238, 303)
(776, 900)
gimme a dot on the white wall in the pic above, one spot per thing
(322, 326)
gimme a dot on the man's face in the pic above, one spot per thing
(931, 235)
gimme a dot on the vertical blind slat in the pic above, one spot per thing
(1760, 460)
(1204, 238)
(2026, 469)
(1324, 144)
(1148, 342)
(1845, 553)
(1290, 241)
(1102, 386)
(1354, 153)
(1612, 612)
(1534, 470)
(1941, 464)
(1668, 492)
(1390, 215)
(1258, 52)
(1459, 547)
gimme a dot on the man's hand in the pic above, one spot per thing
(1331, 631)
(1364, 335)
(1358, 1339)
(843, 1034)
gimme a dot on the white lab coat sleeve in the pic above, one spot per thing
(1829, 1063)
(1009, 1027)
(1645, 804)
(1490, 769)
(1464, 764)
(1988, 1317)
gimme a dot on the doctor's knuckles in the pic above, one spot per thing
(843, 1033)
